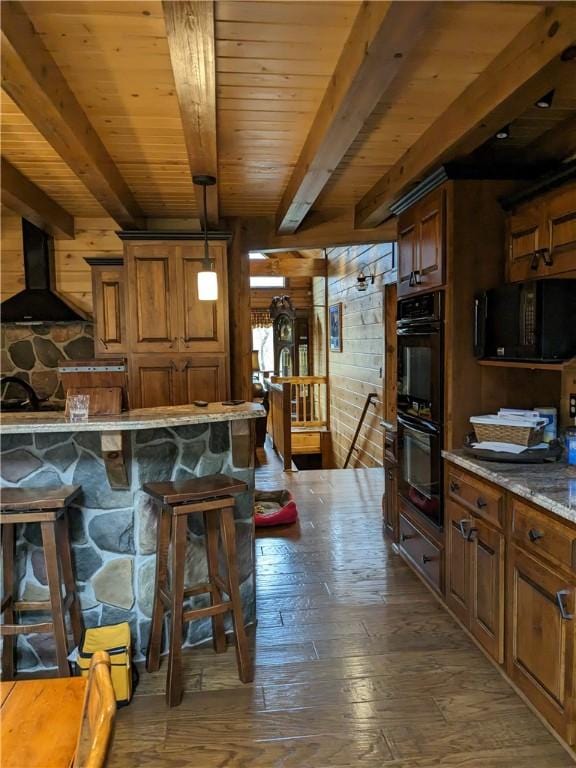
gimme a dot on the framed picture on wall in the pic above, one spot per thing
(335, 321)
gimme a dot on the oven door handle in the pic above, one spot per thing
(417, 426)
(422, 332)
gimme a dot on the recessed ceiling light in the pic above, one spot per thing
(546, 101)
(503, 133)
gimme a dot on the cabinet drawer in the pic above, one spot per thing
(539, 534)
(484, 500)
(425, 555)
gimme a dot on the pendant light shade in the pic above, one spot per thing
(207, 277)
(208, 286)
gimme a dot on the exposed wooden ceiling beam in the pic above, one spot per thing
(285, 267)
(556, 145)
(190, 30)
(322, 229)
(32, 79)
(32, 203)
(382, 36)
(527, 68)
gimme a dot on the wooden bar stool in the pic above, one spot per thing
(47, 506)
(212, 495)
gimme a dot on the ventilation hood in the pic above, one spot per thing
(38, 302)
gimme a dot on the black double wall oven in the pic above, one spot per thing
(420, 388)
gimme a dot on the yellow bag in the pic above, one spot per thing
(115, 640)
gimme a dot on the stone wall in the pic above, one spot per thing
(114, 532)
(33, 352)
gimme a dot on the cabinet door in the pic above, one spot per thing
(204, 378)
(429, 268)
(458, 525)
(155, 381)
(524, 240)
(153, 297)
(109, 310)
(407, 252)
(486, 556)
(540, 652)
(203, 324)
(390, 501)
(560, 224)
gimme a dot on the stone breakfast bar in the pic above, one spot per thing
(113, 526)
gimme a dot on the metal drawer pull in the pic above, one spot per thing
(454, 486)
(406, 536)
(481, 503)
(463, 525)
(534, 535)
(427, 559)
(534, 260)
(560, 600)
(547, 257)
(412, 281)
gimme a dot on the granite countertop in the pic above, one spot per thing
(551, 485)
(143, 418)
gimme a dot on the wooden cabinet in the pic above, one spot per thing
(421, 232)
(542, 236)
(390, 500)
(541, 639)
(475, 548)
(146, 307)
(109, 306)
(158, 380)
(419, 547)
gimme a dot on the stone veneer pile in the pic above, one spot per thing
(113, 532)
(33, 353)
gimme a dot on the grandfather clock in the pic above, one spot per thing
(291, 336)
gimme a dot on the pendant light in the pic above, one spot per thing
(207, 277)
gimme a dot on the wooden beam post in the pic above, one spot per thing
(528, 67)
(240, 324)
(382, 37)
(32, 79)
(32, 203)
(190, 30)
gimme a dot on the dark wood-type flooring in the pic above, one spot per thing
(356, 663)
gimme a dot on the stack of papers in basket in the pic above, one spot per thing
(515, 418)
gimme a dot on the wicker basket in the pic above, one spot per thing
(508, 433)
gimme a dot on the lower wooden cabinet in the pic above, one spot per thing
(419, 548)
(475, 577)
(159, 380)
(390, 500)
(541, 639)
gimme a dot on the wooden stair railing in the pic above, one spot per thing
(297, 405)
(369, 400)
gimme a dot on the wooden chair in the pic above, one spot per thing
(98, 715)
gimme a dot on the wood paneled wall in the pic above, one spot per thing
(358, 369)
(94, 237)
(299, 289)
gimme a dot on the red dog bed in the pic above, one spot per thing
(274, 508)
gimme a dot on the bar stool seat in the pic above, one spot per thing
(213, 496)
(48, 507)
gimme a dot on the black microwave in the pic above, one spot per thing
(532, 321)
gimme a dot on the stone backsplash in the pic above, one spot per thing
(33, 353)
(113, 532)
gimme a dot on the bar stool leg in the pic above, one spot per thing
(8, 594)
(56, 602)
(174, 676)
(68, 575)
(212, 536)
(245, 667)
(162, 544)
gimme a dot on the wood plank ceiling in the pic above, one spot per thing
(273, 65)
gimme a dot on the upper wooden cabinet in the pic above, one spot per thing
(109, 306)
(421, 231)
(166, 314)
(542, 236)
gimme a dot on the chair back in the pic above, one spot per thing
(98, 715)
